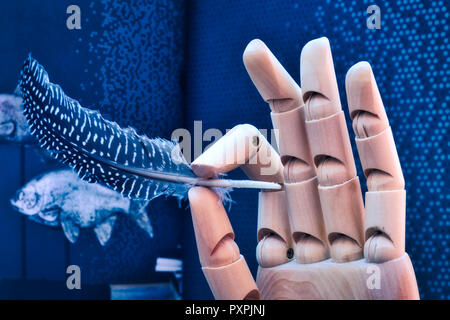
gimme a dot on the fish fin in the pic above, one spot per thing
(71, 230)
(104, 230)
(50, 214)
(139, 213)
(7, 128)
(38, 219)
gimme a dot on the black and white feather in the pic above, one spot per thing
(99, 150)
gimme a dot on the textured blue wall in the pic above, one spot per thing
(410, 57)
(127, 62)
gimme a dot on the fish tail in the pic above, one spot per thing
(138, 211)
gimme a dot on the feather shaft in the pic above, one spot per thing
(194, 181)
(217, 183)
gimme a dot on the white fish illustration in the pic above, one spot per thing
(62, 198)
(13, 125)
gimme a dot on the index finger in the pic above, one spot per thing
(223, 265)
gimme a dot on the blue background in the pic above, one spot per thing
(161, 65)
(126, 61)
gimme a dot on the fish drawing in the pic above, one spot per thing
(61, 198)
(13, 125)
(101, 151)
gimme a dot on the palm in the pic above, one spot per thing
(315, 238)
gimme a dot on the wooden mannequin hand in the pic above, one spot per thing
(315, 238)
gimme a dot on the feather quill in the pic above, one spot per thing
(101, 151)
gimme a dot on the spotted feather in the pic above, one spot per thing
(101, 151)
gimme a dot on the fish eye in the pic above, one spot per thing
(20, 195)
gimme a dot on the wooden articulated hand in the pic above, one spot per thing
(315, 238)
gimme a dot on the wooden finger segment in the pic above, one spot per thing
(378, 155)
(224, 267)
(243, 146)
(386, 213)
(330, 146)
(273, 216)
(266, 164)
(343, 211)
(234, 149)
(273, 235)
(292, 140)
(302, 197)
(212, 226)
(318, 76)
(232, 282)
(306, 220)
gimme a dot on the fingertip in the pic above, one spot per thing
(357, 78)
(317, 49)
(202, 197)
(272, 81)
(231, 151)
(362, 92)
(204, 171)
(203, 200)
(256, 55)
(314, 45)
(359, 71)
(317, 71)
(254, 49)
(193, 193)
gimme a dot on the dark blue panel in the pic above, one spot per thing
(45, 252)
(10, 221)
(133, 56)
(49, 289)
(130, 255)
